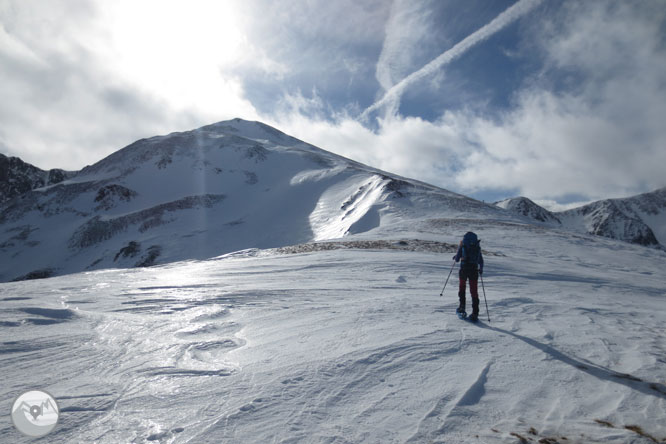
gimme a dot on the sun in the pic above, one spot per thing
(176, 49)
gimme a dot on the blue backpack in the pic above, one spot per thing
(471, 249)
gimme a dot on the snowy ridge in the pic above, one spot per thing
(524, 206)
(345, 207)
(198, 194)
(639, 219)
(608, 219)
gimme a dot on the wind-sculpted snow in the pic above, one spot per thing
(349, 341)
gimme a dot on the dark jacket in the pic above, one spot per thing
(458, 256)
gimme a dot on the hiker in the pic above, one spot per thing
(471, 266)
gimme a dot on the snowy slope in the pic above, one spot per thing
(351, 345)
(221, 188)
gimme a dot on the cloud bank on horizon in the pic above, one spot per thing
(558, 101)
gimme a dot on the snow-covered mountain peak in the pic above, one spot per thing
(526, 207)
(224, 187)
(253, 130)
(639, 219)
(234, 140)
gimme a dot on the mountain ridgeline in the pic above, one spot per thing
(239, 185)
(18, 177)
(198, 194)
(639, 219)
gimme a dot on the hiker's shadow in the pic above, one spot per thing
(603, 373)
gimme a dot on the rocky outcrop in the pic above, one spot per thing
(18, 177)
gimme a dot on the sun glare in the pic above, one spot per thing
(177, 49)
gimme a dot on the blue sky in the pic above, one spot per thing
(560, 101)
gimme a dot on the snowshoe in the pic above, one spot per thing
(461, 313)
(473, 317)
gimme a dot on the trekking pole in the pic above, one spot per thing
(447, 279)
(484, 297)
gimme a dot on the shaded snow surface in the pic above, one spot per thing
(351, 345)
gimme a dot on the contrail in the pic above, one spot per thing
(498, 23)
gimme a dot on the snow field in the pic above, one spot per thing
(350, 346)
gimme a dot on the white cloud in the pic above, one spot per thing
(16, 51)
(555, 206)
(603, 138)
(82, 79)
(412, 147)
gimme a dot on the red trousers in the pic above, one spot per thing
(471, 274)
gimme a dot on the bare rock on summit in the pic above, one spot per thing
(18, 177)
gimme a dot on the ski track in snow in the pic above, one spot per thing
(348, 346)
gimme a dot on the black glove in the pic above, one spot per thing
(480, 272)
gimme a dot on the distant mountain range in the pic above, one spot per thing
(639, 219)
(236, 185)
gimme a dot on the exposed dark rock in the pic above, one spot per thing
(36, 274)
(615, 219)
(256, 152)
(108, 196)
(97, 230)
(18, 177)
(22, 234)
(396, 187)
(151, 256)
(131, 250)
(50, 202)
